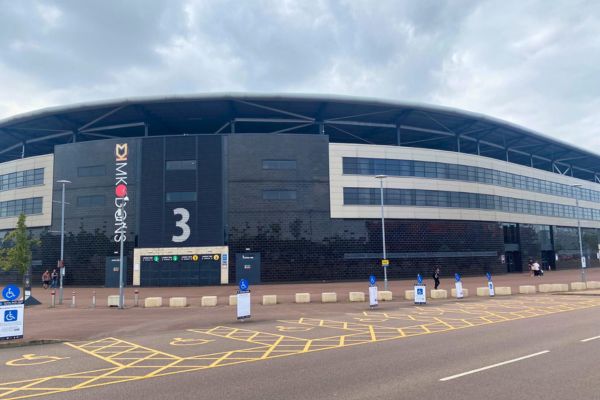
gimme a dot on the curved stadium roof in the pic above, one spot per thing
(343, 119)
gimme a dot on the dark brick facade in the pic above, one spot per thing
(296, 237)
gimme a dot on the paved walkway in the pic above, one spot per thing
(285, 291)
(82, 322)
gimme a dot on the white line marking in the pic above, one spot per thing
(493, 366)
(588, 339)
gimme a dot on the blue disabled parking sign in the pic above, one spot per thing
(243, 285)
(11, 315)
(11, 293)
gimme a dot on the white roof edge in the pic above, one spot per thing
(284, 96)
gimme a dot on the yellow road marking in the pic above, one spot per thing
(31, 359)
(274, 346)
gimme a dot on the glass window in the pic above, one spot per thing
(173, 197)
(28, 206)
(178, 165)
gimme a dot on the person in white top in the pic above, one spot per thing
(535, 267)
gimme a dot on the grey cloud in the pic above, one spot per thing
(531, 62)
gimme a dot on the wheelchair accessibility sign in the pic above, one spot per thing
(11, 322)
(10, 315)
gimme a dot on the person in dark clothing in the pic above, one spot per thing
(54, 277)
(436, 277)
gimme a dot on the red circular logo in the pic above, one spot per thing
(121, 190)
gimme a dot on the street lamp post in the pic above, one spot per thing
(62, 240)
(385, 279)
(121, 277)
(577, 185)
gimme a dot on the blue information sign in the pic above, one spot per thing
(489, 276)
(372, 280)
(457, 277)
(419, 278)
(243, 285)
(11, 292)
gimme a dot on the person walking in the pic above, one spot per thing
(436, 277)
(536, 269)
(46, 279)
(54, 278)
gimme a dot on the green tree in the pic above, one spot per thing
(16, 253)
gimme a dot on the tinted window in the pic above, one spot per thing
(173, 197)
(176, 165)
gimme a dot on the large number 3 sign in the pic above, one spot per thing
(182, 223)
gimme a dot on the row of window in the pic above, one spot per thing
(179, 165)
(467, 173)
(176, 197)
(14, 208)
(439, 198)
(21, 179)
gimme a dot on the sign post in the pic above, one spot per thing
(372, 292)
(243, 300)
(420, 291)
(11, 314)
(490, 284)
(458, 285)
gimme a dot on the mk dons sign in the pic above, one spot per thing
(121, 198)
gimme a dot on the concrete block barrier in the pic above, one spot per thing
(560, 287)
(502, 291)
(113, 300)
(302, 298)
(233, 300)
(151, 302)
(409, 294)
(384, 295)
(465, 292)
(178, 302)
(527, 289)
(593, 285)
(545, 288)
(269, 299)
(329, 297)
(578, 286)
(439, 294)
(208, 301)
(356, 296)
(483, 291)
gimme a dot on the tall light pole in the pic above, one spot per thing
(578, 185)
(121, 273)
(385, 280)
(62, 240)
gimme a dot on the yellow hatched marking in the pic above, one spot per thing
(273, 345)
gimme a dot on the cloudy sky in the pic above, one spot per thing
(531, 62)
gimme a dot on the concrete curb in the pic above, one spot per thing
(329, 297)
(208, 301)
(302, 298)
(269, 299)
(356, 296)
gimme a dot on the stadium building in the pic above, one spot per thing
(208, 189)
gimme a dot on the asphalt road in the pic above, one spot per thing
(414, 366)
